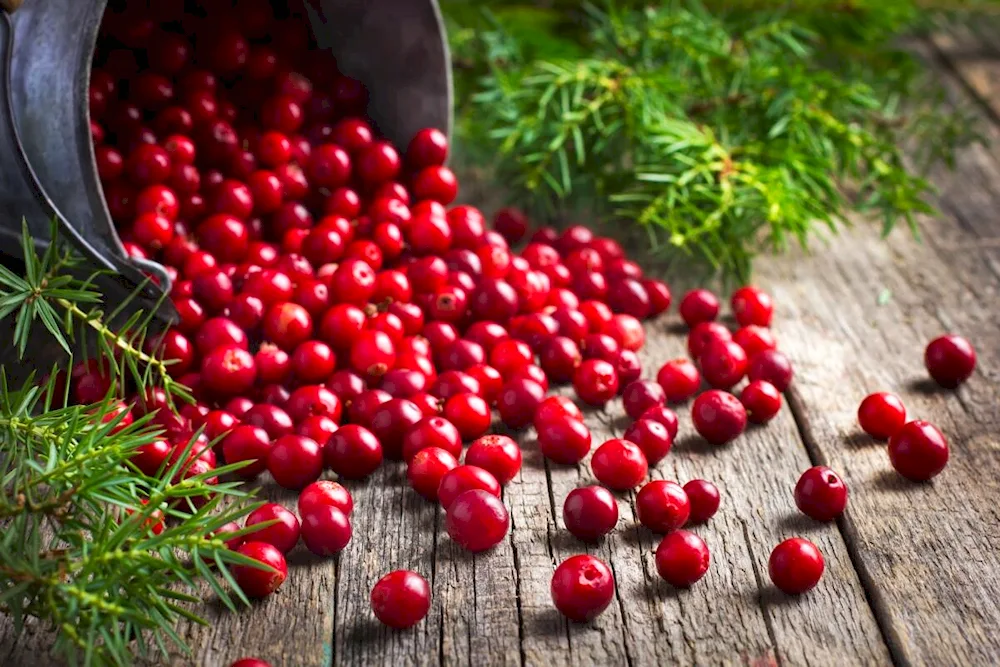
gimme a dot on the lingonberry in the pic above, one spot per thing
(881, 415)
(283, 534)
(600, 346)
(772, 366)
(362, 409)
(470, 413)
(275, 421)
(662, 506)
(821, 494)
(556, 407)
(619, 464)
(427, 468)
(590, 513)
(295, 461)
(640, 396)
(704, 498)
(795, 565)
(582, 587)
(918, 451)
(497, 454)
(353, 452)
(326, 530)
(228, 371)
(257, 582)
(754, 340)
(682, 558)
(313, 400)
(563, 439)
(432, 432)
(718, 416)
(679, 379)
(401, 599)
(477, 520)
(950, 360)
(703, 334)
(391, 421)
(723, 363)
(372, 353)
(287, 325)
(325, 493)
(595, 382)
(653, 438)
(518, 401)
(761, 400)
(752, 306)
(697, 306)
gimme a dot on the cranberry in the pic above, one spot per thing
(703, 334)
(283, 534)
(270, 286)
(273, 364)
(918, 451)
(437, 183)
(881, 415)
(250, 662)
(246, 311)
(428, 147)
(401, 599)
(771, 366)
(353, 452)
(718, 416)
(662, 506)
(391, 421)
(325, 493)
(600, 346)
(518, 401)
(464, 478)
(560, 357)
(295, 461)
(680, 380)
(950, 360)
(640, 396)
(595, 382)
(228, 371)
(511, 223)
(761, 399)
(795, 565)
(148, 164)
(704, 499)
(556, 407)
(682, 558)
(256, 582)
(432, 432)
(723, 363)
(377, 163)
(213, 288)
(326, 530)
(238, 406)
(403, 382)
(313, 400)
(510, 355)
(619, 464)
(628, 367)
(590, 513)
(563, 440)
(347, 385)
(653, 438)
(821, 494)
(317, 427)
(427, 468)
(287, 324)
(752, 306)
(461, 354)
(150, 458)
(363, 408)
(497, 454)
(582, 587)
(572, 323)
(470, 413)
(660, 297)
(477, 520)
(271, 418)
(342, 325)
(697, 306)
(754, 340)
(629, 296)
(373, 353)
(313, 361)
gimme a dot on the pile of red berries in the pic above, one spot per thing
(336, 310)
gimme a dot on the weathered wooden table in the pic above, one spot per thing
(913, 572)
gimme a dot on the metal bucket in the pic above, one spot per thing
(47, 165)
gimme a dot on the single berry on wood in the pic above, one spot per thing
(679, 379)
(704, 498)
(754, 340)
(595, 382)
(665, 416)
(401, 599)
(881, 415)
(477, 520)
(752, 306)
(326, 530)
(918, 451)
(256, 582)
(653, 438)
(499, 455)
(697, 306)
(427, 468)
(771, 366)
(795, 565)
(662, 506)
(564, 439)
(950, 360)
(295, 461)
(821, 494)
(723, 363)
(590, 512)
(761, 400)
(718, 416)
(703, 334)
(353, 452)
(464, 478)
(640, 396)
(619, 464)
(283, 535)
(682, 558)
(582, 587)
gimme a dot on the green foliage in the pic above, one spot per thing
(76, 546)
(718, 132)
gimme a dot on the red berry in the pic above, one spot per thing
(682, 558)
(149, 458)
(628, 367)
(295, 461)
(148, 164)
(228, 371)
(662, 506)
(704, 498)
(432, 432)
(363, 407)
(680, 380)
(377, 163)
(640, 396)
(477, 520)
(918, 451)
(518, 401)
(391, 421)
(723, 363)
(470, 413)
(950, 360)
(659, 296)
(653, 438)
(556, 407)
(511, 223)
(497, 454)
(427, 468)
(703, 334)
(595, 382)
(582, 587)
(564, 439)
(752, 306)
(373, 353)
(323, 493)
(754, 340)
(821, 494)
(250, 662)
(619, 464)
(761, 400)
(697, 306)
(771, 366)
(795, 565)
(326, 530)
(437, 183)
(590, 513)
(464, 478)
(282, 535)
(718, 416)
(313, 361)
(428, 147)
(881, 415)
(255, 582)
(401, 599)
(665, 416)
(353, 452)
(629, 296)
(152, 230)
(287, 324)
(489, 379)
